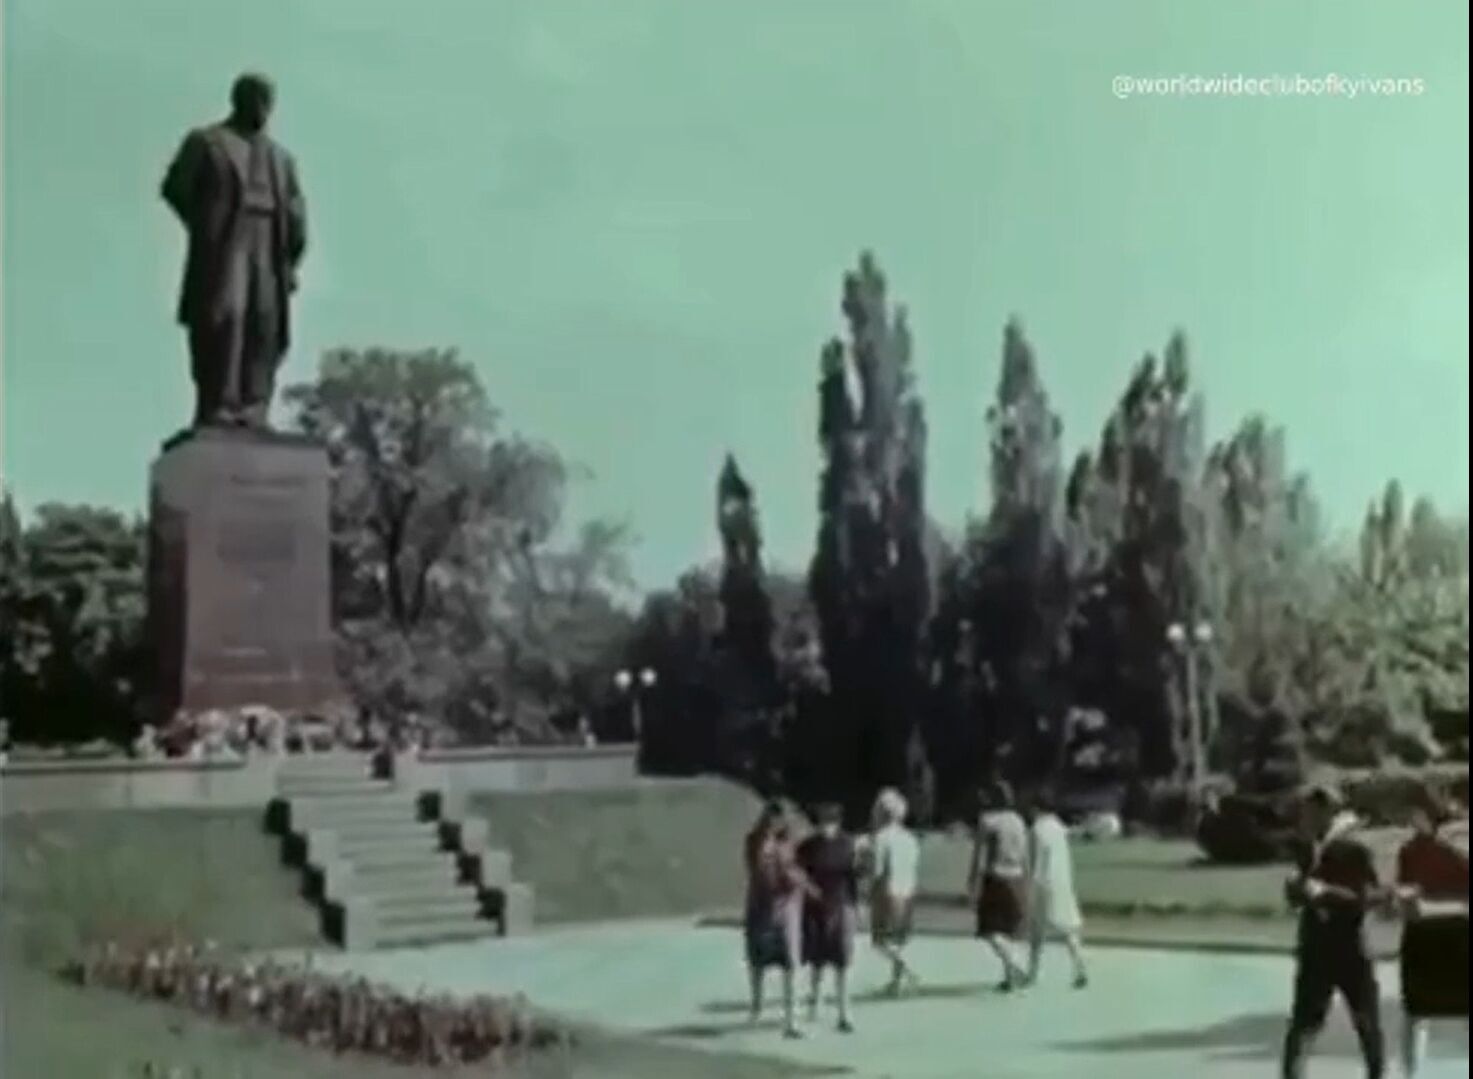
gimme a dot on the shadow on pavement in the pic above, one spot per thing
(952, 991)
(1260, 1037)
(705, 1032)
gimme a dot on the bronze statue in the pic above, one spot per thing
(236, 192)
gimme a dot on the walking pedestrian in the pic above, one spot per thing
(997, 880)
(828, 861)
(895, 857)
(1053, 907)
(1432, 884)
(775, 886)
(1335, 885)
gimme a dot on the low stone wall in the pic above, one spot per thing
(526, 768)
(40, 786)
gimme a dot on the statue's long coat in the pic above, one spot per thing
(205, 186)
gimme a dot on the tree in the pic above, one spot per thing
(675, 635)
(1136, 536)
(749, 727)
(452, 596)
(747, 619)
(1394, 640)
(1266, 580)
(869, 580)
(1014, 577)
(553, 626)
(72, 611)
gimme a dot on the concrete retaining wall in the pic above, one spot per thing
(39, 786)
(473, 771)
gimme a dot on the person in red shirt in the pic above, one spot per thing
(1432, 884)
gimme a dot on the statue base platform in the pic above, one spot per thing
(239, 596)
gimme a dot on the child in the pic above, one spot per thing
(828, 860)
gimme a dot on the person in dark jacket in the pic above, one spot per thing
(1335, 886)
(830, 907)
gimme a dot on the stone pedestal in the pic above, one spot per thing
(239, 596)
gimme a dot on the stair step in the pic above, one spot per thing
(350, 831)
(396, 860)
(405, 886)
(371, 800)
(379, 849)
(422, 906)
(431, 931)
(410, 826)
(317, 762)
(298, 775)
(328, 779)
(343, 819)
(353, 805)
(331, 786)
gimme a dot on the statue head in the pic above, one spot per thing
(251, 99)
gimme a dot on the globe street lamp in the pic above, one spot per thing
(634, 685)
(1190, 646)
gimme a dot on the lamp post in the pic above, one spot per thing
(634, 685)
(1190, 646)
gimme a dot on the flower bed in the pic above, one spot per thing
(323, 1011)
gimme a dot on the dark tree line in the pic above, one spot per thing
(1052, 641)
(1038, 644)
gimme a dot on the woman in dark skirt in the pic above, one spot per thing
(998, 880)
(775, 886)
(830, 908)
(1432, 881)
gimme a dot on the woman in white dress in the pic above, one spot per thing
(1053, 906)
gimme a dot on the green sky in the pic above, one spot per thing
(634, 214)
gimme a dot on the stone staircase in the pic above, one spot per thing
(389, 866)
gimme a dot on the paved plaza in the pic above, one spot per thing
(1148, 1015)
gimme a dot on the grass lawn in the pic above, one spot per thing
(674, 849)
(1153, 891)
(69, 878)
(661, 849)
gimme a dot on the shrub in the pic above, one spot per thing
(1248, 830)
(1387, 796)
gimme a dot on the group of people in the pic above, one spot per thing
(331, 1012)
(232, 733)
(1021, 884)
(1335, 887)
(804, 897)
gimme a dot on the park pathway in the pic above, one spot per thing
(1148, 1015)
